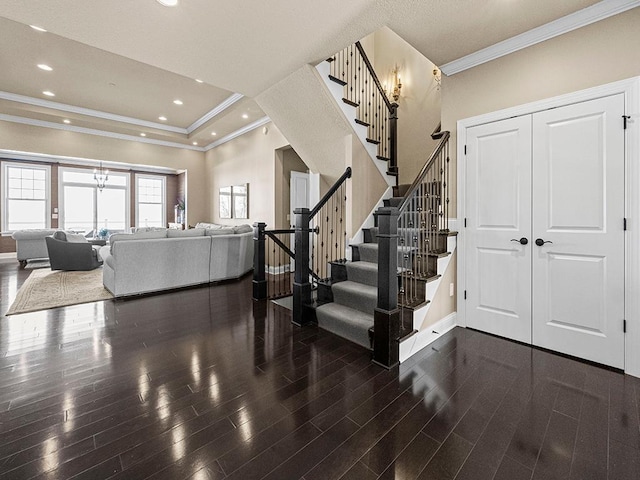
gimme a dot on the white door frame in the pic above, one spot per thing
(631, 90)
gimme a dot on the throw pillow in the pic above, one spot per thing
(76, 238)
(60, 235)
(243, 228)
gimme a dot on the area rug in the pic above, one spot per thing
(49, 289)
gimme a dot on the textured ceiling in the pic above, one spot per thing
(152, 54)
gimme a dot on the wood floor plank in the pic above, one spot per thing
(204, 383)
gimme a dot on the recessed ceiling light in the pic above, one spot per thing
(195, 143)
(199, 81)
(35, 27)
(213, 133)
(143, 134)
(48, 93)
(66, 121)
(44, 67)
(168, 3)
(164, 119)
(178, 102)
(244, 115)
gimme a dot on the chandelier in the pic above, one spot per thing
(100, 176)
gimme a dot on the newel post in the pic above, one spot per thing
(301, 285)
(393, 139)
(259, 276)
(386, 318)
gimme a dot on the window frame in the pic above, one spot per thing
(94, 186)
(4, 191)
(150, 176)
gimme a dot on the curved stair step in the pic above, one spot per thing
(346, 322)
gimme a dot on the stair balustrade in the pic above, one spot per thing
(272, 259)
(320, 238)
(411, 237)
(352, 69)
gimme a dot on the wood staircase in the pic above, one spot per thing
(346, 304)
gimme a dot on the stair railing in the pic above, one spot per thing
(351, 68)
(320, 238)
(272, 259)
(410, 236)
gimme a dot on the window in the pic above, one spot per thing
(85, 208)
(150, 201)
(25, 196)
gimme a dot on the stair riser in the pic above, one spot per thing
(343, 328)
(366, 276)
(356, 300)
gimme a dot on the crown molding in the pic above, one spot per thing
(215, 111)
(581, 18)
(91, 131)
(237, 133)
(62, 107)
(82, 161)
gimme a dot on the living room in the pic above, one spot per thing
(203, 382)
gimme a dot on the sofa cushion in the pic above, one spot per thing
(76, 238)
(193, 232)
(147, 229)
(120, 237)
(211, 226)
(220, 231)
(242, 228)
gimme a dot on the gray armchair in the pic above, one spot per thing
(71, 252)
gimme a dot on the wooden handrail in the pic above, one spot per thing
(272, 235)
(423, 173)
(332, 190)
(373, 74)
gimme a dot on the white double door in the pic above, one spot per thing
(545, 233)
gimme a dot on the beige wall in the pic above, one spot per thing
(32, 139)
(286, 161)
(250, 159)
(594, 55)
(419, 102)
(601, 53)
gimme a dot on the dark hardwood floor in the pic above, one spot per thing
(204, 384)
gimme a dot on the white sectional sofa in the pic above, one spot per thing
(158, 260)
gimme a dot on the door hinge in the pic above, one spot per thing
(625, 223)
(465, 222)
(465, 147)
(625, 119)
(624, 326)
(465, 294)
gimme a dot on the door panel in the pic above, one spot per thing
(578, 205)
(499, 210)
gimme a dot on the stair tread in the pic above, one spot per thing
(337, 80)
(346, 322)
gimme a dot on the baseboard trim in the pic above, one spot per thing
(425, 337)
(8, 256)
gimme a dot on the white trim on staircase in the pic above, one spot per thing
(573, 21)
(424, 338)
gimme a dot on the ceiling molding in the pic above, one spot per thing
(581, 18)
(215, 111)
(91, 131)
(237, 133)
(44, 157)
(62, 107)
